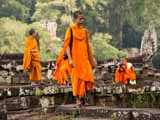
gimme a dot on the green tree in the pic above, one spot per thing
(13, 9)
(103, 50)
(30, 4)
(13, 35)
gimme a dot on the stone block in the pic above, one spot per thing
(3, 73)
(22, 103)
(141, 115)
(3, 115)
(121, 115)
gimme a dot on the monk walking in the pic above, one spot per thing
(80, 57)
(31, 58)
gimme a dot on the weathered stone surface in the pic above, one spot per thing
(11, 71)
(156, 116)
(114, 113)
(3, 73)
(104, 96)
(3, 115)
(10, 64)
(23, 97)
(3, 111)
(93, 112)
(122, 115)
(29, 102)
(142, 115)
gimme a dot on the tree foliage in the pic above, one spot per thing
(103, 50)
(124, 20)
(12, 38)
(18, 9)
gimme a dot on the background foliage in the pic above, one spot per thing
(114, 24)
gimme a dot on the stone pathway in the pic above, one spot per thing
(71, 112)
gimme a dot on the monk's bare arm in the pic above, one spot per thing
(69, 57)
(68, 53)
(90, 48)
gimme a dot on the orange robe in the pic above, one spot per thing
(31, 59)
(61, 73)
(81, 74)
(124, 75)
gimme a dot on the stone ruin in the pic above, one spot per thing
(108, 101)
(18, 99)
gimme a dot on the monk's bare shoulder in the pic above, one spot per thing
(28, 41)
(87, 31)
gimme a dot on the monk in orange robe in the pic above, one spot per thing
(61, 73)
(80, 56)
(31, 58)
(125, 73)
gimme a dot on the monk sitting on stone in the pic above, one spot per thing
(125, 73)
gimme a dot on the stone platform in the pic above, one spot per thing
(105, 112)
(72, 112)
(108, 101)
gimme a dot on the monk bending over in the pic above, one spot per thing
(31, 58)
(125, 73)
(61, 73)
(80, 58)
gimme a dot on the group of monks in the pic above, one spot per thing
(76, 59)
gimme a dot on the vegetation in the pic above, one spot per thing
(13, 34)
(113, 24)
(100, 43)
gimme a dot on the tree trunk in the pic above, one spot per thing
(116, 23)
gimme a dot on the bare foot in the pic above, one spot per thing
(78, 102)
(34, 84)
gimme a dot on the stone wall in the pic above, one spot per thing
(11, 71)
(16, 93)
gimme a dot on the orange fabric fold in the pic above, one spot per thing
(81, 74)
(31, 59)
(62, 72)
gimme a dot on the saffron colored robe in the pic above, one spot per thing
(81, 74)
(125, 74)
(31, 59)
(61, 73)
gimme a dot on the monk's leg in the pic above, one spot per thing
(38, 73)
(31, 76)
(79, 90)
(78, 101)
(82, 88)
(35, 73)
(65, 78)
(82, 91)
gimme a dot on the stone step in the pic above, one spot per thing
(25, 90)
(21, 96)
(114, 113)
(3, 115)
(72, 112)
(50, 115)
